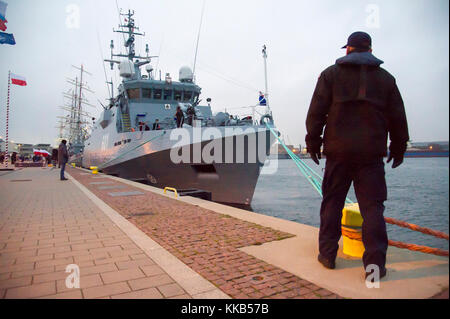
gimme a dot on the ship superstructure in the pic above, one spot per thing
(137, 136)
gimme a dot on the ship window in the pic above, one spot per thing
(177, 95)
(196, 95)
(187, 95)
(133, 93)
(146, 93)
(157, 94)
(167, 94)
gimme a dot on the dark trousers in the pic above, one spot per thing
(370, 189)
(63, 167)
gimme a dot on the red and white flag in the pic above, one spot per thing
(18, 80)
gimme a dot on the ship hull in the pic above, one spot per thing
(230, 182)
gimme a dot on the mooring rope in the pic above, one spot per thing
(311, 175)
(423, 249)
(423, 230)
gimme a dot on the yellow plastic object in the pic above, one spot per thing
(352, 223)
(353, 247)
(351, 216)
(73, 165)
(94, 169)
(171, 189)
(50, 165)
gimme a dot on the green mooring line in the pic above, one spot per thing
(311, 175)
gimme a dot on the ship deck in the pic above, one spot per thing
(133, 241)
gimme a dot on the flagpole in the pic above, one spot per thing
(266, 93)
(7, 121)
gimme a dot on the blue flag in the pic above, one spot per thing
(7, 38)
(262, 99)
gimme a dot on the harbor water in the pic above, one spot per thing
(418, 193)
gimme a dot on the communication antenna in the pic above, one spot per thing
(266, 93)
(112, 88)
(103, 64)
(129, 28)
(198, 38)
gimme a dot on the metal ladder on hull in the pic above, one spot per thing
(126, 122)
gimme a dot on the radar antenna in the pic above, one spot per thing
(129, 28)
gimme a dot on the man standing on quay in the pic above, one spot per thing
(63, 158)
(358, 103)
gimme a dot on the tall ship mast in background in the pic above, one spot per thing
(75, 125)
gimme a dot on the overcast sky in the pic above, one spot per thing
(302, 38)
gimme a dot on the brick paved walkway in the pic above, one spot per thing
(206, 241)
(46, 224)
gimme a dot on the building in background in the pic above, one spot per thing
(23, 149)
(12, 147)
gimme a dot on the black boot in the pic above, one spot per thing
(326, 263)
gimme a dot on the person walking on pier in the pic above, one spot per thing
(13, 158)
(359, 104)
(63, 158)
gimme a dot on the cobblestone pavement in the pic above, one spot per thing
(206, 241)
(47, 224)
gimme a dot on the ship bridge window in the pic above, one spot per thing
(133, 94)
(177, 95)
(146, 93)
(167, 94)
(157, 94)
(196, 95)
(187, 96)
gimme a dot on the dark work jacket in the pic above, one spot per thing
(179, 115)
(63, 155)
(358, 103)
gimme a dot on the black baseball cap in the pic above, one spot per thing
(359, 40)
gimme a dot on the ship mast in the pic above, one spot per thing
(76, 119)
(129, 29)
(266, 93)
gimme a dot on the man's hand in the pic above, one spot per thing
(315, 157)
(398, 160)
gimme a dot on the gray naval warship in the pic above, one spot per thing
(137, 136)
